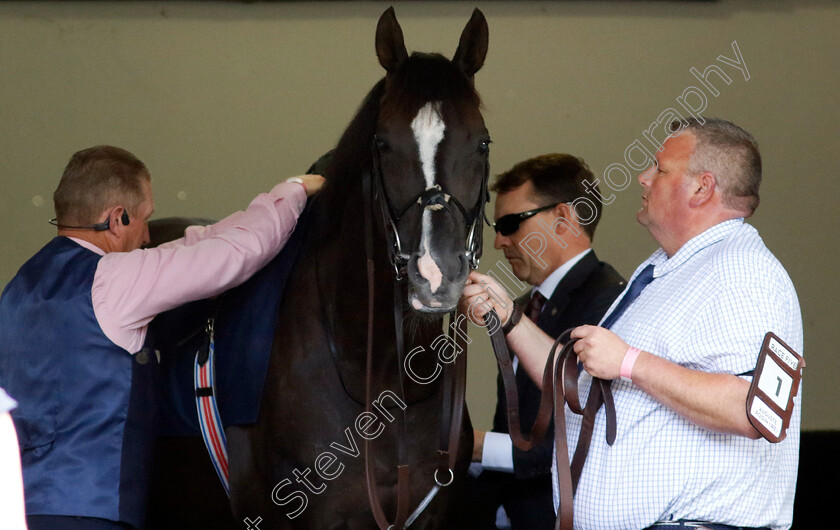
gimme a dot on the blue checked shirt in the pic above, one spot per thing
(708, 308)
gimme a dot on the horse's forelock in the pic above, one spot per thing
(422, 78)
(426, 77)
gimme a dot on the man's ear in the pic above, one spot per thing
(705, 185)
(565, 220)
(114, 221)
(558, 212)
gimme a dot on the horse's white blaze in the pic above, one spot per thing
(428, 129)
(426, 264)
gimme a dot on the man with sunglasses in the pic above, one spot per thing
(549, 247)
(680, 348)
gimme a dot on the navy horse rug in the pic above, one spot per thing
(244, 323)
(186, 489)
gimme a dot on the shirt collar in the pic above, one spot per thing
(663, 264)
(548, 285)
(88, 245)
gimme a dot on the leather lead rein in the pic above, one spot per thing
(559, 380)
(454, 395)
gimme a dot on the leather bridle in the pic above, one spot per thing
(429, 198)
(454, 391)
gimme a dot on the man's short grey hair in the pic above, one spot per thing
(730, 154)
(97, 178)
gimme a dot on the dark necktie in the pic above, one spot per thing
(535, 305)
(641, 281)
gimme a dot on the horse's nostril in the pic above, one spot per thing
(463, 266)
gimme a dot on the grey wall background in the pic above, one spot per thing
(222, 100)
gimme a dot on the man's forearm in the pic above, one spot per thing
(714, 401)
(531, 345)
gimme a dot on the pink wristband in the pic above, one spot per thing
(626, 371)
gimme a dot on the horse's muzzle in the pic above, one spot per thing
(435, 286)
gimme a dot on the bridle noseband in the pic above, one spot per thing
(432, 198)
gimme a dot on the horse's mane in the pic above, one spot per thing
(423, 77)
(352, 156)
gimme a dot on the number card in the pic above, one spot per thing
(775, 383)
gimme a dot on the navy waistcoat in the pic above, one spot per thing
(86, 418)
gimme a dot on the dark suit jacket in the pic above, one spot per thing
(582, 297)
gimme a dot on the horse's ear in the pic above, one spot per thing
(472, 49)
(390, 46)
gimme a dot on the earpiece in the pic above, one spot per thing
(98, 227)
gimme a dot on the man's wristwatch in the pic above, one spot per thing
(514, 318)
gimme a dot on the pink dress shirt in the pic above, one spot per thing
(130, 288)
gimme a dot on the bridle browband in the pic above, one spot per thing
(434, 197)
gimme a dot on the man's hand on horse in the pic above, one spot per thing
(310, 183)
(600, 350)
(481, 295)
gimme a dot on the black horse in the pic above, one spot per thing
(399, 221)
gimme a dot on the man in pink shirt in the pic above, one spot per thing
(74, 315)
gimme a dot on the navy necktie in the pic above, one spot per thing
(641, 281)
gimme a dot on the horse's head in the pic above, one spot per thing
(430, 162)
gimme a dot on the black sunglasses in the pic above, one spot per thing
(509, 224)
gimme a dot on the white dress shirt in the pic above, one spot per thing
(707, 308)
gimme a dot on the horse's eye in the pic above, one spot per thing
(380, 143)
(484, 146)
